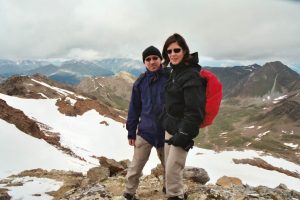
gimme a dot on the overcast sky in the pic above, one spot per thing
(224, 32)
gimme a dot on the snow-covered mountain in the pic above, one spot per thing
(88, 138)
(117, 65)
(9, 67)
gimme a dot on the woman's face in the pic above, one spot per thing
(175, 53)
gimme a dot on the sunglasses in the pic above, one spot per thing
(176, 50)
(148, 59)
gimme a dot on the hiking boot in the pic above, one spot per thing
(174, 198)
(177, 198)
(185, 195)
(127, 196)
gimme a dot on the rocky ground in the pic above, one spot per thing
(107, 182)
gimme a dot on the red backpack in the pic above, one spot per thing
(213, 97)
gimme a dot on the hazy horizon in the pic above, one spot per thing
(224, 33)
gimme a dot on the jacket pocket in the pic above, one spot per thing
(171, 124)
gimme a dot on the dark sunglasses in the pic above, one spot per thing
(148, 59)
(176, 50)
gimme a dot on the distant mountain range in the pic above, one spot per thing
(71, 71)
(271, 79)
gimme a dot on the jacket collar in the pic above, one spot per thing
(191, 61)
(157, 72)
(154, 75)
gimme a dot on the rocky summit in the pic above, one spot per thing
(107, 182)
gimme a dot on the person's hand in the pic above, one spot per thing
(181, 140)
(131, 142)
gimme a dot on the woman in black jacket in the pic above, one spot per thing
(184, 110)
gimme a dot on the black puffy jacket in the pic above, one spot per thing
(185, 98)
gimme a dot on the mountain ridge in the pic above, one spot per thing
(277, 116)
(72, 71)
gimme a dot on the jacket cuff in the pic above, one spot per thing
(189, 129)
(131, 135)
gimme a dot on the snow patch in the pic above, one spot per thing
(292, 145)
(31, 186)
(221, 164)
(224, 133)
(86, 137)
(263, 134)
(60, 91)
(72, 101)
(43, 95)
(280, 98)
(122, 117)
(28, 152)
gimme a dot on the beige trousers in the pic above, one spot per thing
(175, 158)
(141, 155)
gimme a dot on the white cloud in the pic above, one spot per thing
(249, 30)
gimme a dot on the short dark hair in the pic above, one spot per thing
(181, 42)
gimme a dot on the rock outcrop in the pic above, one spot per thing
(4, 195)
(24, 123)
(103, 184)
(113, 90)
(228, 182)
(83, 105)
(34, 87)
(258, 162)
(197, 175)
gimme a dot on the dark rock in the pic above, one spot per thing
(125, 163)
(4, 195)
(98, 174)
(113, 166)
(90, 192)
(104, 122)
(196, 174)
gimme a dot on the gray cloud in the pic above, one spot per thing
(231, 31)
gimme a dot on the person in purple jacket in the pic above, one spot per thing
(143, 125)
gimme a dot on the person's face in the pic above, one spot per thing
(175, 53)
(152, 63)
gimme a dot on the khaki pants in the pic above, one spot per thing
(175, 158)
(141, 155)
